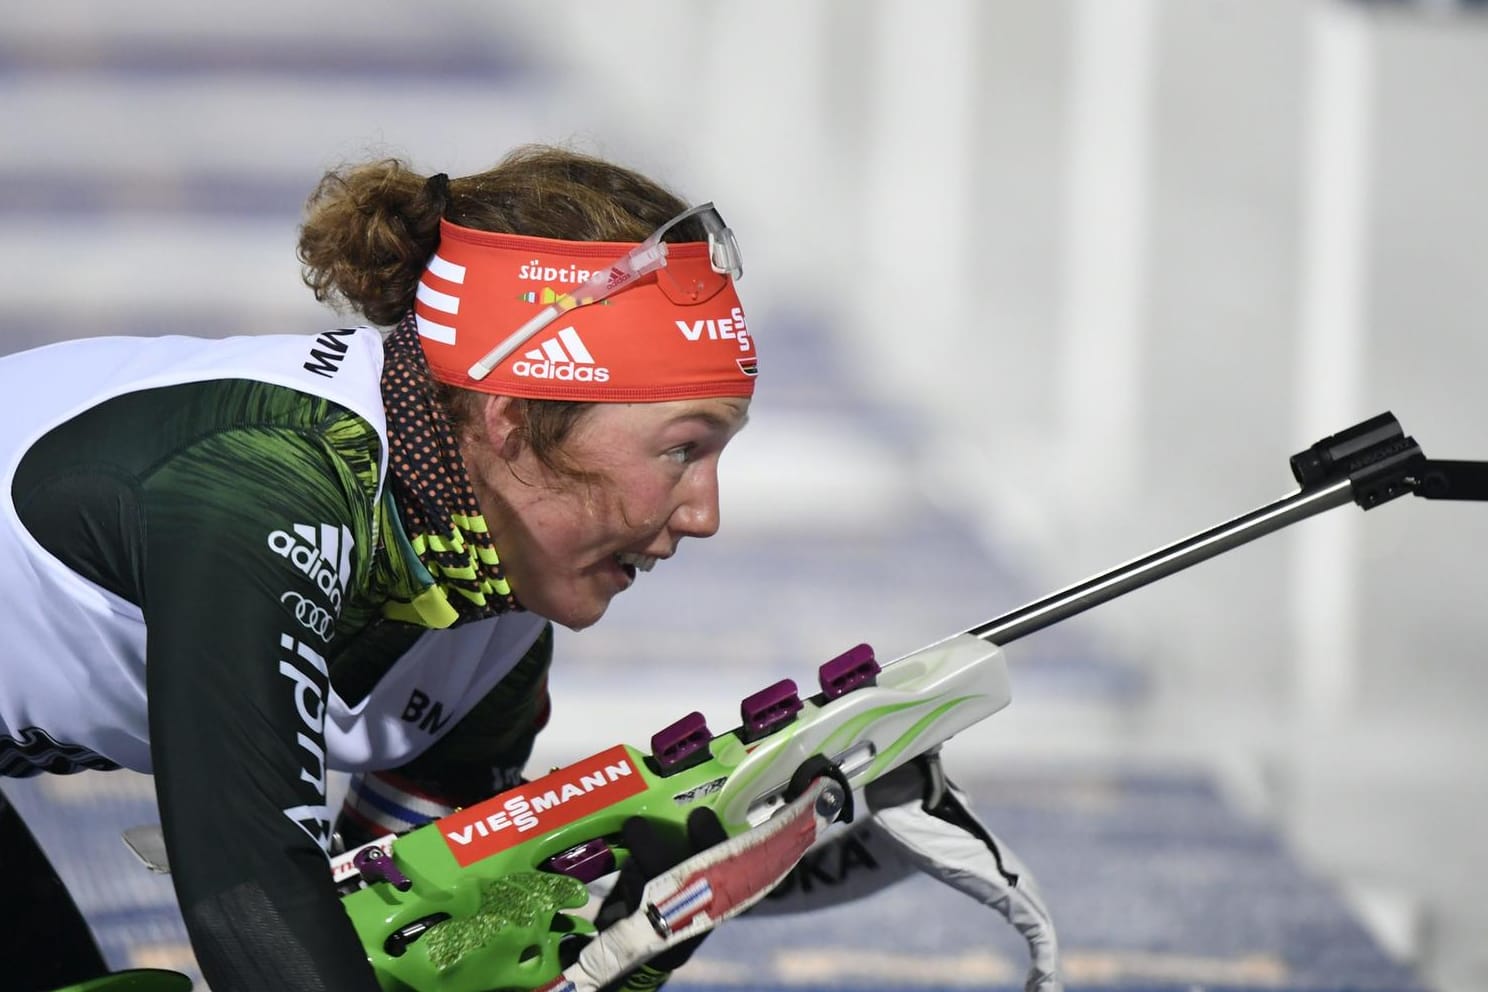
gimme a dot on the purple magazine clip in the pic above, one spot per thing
(768, 710)
(681, 745)
(588, 861)
(851, 669)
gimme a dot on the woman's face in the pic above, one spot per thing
(569, 546)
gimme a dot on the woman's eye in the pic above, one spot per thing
(681, 454)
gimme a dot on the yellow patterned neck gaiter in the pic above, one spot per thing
(432, 492)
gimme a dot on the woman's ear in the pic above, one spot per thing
(505, 426)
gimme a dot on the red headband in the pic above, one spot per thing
(676, 333)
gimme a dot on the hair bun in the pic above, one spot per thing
(437, 188)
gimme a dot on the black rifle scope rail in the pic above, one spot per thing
(1370, 463)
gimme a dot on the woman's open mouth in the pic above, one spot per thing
(633, 563)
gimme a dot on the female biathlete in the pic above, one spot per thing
(237, 564)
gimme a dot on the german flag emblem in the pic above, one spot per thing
(749, 366)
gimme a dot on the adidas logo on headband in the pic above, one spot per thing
(562, 356)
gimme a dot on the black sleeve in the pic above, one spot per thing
(238, 529)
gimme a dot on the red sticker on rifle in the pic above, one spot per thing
(541, 806)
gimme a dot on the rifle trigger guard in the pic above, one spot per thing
(813, 768)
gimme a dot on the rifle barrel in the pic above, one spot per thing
(1164, 561)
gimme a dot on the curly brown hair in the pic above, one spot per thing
(370, 228)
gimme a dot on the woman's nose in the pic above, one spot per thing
(698, 515)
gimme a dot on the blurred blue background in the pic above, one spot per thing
(1038, 286)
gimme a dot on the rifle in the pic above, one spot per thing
(417, 900)
(436, 908)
